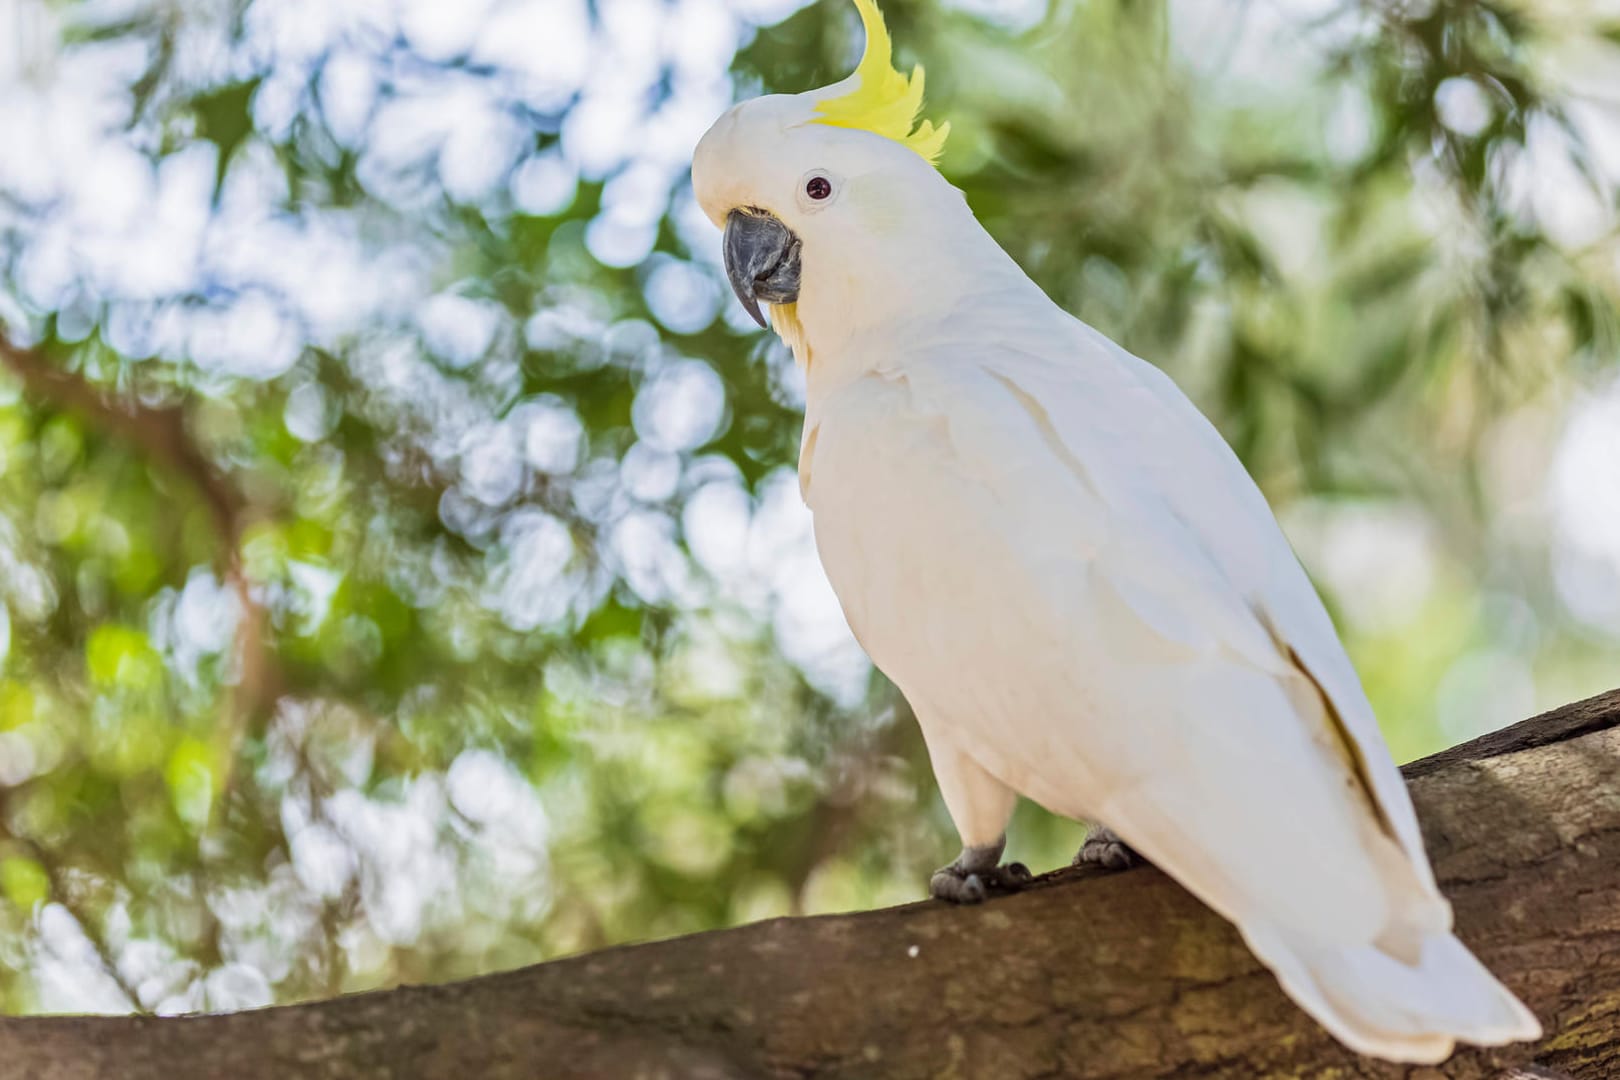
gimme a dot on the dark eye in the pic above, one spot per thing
(818, 187)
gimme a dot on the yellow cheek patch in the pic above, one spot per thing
(884, 102)
(785, 321)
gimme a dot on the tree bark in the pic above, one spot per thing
(1088, 975)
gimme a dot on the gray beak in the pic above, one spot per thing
(762, 260)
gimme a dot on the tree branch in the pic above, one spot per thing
(1089, 975)
(159, 433)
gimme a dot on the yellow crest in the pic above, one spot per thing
(884, 101)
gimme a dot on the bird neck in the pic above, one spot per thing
(944, 290)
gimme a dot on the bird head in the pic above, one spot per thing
(828, 197)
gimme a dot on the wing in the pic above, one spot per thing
(1206, 486)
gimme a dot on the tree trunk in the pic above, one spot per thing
(1087, 975)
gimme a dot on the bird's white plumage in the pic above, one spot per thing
(1079, 589)
(1084, 596)
(1093, 637)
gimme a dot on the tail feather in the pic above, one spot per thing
(1378, 1005)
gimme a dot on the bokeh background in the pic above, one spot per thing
(402, 573)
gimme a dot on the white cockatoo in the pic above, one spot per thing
(1071, 577)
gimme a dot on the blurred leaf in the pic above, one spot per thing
(24, 882)
(122, 657)
(225, 118)
(189, 774)
(16, 704)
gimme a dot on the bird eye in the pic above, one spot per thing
(818, 187)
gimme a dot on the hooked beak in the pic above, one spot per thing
(762, 260)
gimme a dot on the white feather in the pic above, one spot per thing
(1076, 584)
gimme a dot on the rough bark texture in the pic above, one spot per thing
(1088, 975)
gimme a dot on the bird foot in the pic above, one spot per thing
(976, 874)
(1104, 848)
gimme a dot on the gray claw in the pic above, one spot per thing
(955, 887)
(1104, 848)
(974, 875)
(974, 890)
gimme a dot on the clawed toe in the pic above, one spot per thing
(1013, 875)
(1104, 848)
(956, 885)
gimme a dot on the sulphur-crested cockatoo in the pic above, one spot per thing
(1070, 576)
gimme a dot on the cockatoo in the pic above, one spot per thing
(1071, 577)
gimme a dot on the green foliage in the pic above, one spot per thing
(224, 118)
(24, 882)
